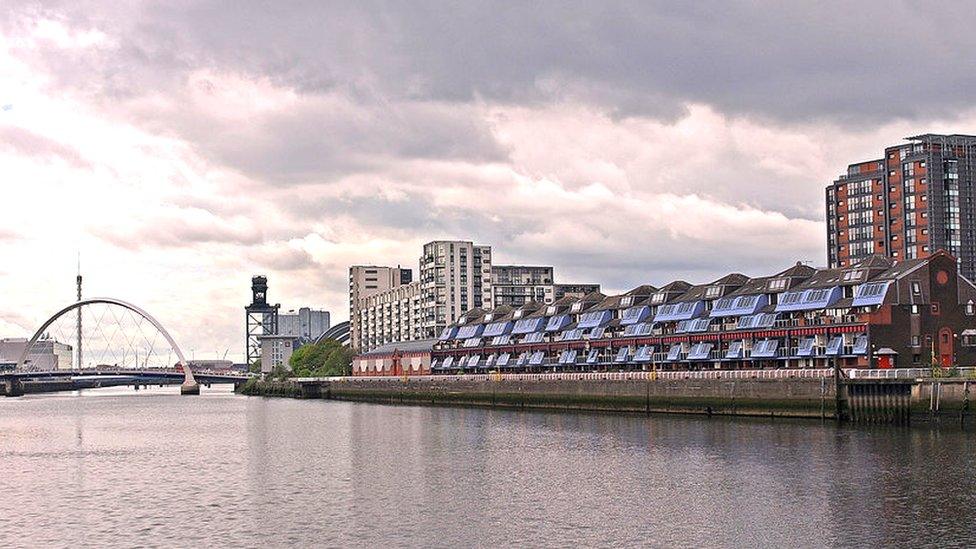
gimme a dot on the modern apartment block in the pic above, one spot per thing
(455, 276)
(516, 285)
(366, 281)
(574, 290)
(392, 316)
(913, 201)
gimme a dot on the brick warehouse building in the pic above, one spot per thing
(875, 313)
(916, 199)
(395, 359)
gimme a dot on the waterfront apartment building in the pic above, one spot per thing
(455, 276)
(305, 323)
(914, 200)
(366, 281)
(877, 312)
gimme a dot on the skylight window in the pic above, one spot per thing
(872, 293)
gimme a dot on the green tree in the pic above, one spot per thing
(327, 358)
(255, 367)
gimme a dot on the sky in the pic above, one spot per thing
(181, 147)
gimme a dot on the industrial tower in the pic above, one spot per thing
(260, 318)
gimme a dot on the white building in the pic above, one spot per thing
(305, 323)
(455, 277)
(46, 355)
(276, 350)
(391, 316)
(366, 281)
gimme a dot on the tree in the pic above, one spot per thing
(255, 367)
(326, 358)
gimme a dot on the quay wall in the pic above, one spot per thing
(861, 401)
(812, 398)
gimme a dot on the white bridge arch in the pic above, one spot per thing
(188, 375)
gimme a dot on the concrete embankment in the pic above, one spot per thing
(812, 398)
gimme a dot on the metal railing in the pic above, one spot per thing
(781, 373)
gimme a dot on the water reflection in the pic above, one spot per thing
(125, 468)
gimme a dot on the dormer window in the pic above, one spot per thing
(627, 301)
(463, 320)
(577, 307)
(550, 310)
(777, 284)
(489, 316)
(853, 275)
(713, 292)
(658, 298)
(517, 314)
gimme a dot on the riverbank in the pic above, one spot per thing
(810, 398)
(863, 401)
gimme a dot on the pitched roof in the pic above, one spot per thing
(424, 345)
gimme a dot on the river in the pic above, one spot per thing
(151, 468)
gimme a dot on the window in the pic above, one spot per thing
(777, 284)
(935, 309)
(916, 287)
(713, 291)
(627, 301)
(792, 298)
(916, 341)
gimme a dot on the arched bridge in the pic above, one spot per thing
(181, 372)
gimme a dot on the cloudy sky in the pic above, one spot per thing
(183, 146)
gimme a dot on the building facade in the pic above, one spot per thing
(45, 355)
(392, 316)
(574, 290)
(304, 323)
(874, 313)
(395, 359)
(366, 281)
(916, 199)
(276, 350)
(515, 285)
(455, 276)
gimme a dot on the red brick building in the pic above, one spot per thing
(916, 199)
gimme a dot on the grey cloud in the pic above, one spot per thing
(829, 60)
(315, 143)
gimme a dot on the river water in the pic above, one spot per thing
(151, 468)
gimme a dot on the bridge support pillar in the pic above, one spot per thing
(13, 388)
(190, 389)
